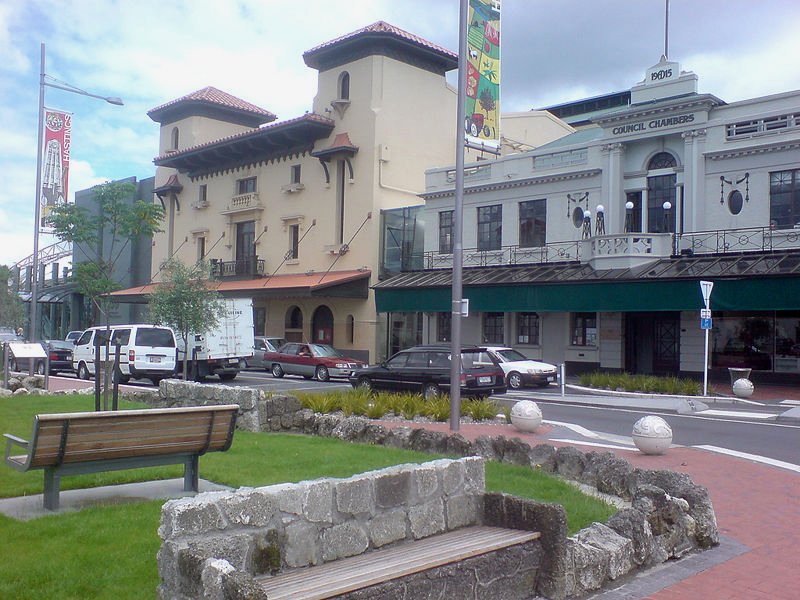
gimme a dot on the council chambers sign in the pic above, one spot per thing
(653, 124)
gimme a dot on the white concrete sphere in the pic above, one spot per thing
(526, 415)
(743, 388)
(652, 435)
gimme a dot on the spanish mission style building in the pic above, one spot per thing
(291, 213)
(589, 250)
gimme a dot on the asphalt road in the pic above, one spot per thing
(743, 433)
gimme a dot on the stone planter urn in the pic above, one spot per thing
(652, 435)
(743, 388)
(526, 416)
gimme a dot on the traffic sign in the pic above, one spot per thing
(705, 289)
(705, 323)
(705, 313)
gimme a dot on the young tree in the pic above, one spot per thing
(185, 301)
(12, 312)
(103, 235)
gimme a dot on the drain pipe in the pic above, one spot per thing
(563, 378)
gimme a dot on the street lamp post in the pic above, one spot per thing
(38, 208)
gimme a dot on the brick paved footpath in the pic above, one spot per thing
(756, 505)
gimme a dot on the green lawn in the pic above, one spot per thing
(110, 551)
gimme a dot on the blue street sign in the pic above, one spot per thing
(705, 323)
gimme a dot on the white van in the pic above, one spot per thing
(146, 351)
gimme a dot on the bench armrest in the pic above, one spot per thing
(12, 440)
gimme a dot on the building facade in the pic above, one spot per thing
(289, 213)
(589, 250)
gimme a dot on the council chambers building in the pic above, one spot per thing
(589, 250)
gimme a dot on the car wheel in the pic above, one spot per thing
(277, 370)
(227, 376)
(514, 380)
(40, 368)
(83, 372)
(430, 391)
(322, 373)
(155, 381)
(364, 383)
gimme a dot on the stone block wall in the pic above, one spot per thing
(266, 530)
(666, 515)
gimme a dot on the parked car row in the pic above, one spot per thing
(485, 370)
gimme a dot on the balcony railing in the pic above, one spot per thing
(507, 255)
(243, 267)
(625, 249)
(753, 239)
(241, 202)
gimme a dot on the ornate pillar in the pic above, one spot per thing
(613, 200)
(694, 178)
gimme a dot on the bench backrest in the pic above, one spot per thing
(81, 437)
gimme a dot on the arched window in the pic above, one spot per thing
(293, 324)
(351, 329)
(662, 209)
(322, 326)
(662, 160)
(344, 86)
(174, 138)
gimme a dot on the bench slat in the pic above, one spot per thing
(377, 566)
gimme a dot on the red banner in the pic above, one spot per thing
(55, 161)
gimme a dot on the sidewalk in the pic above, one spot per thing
(758, 515)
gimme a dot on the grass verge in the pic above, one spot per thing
(110, 551)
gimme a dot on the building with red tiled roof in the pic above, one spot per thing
(269, 201)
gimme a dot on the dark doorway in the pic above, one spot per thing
(652, 343)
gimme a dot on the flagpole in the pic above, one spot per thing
(33, 334)
(458, 226)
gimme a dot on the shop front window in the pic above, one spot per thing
(743, 340)
(584, 329)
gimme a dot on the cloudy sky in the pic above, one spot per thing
(151, 51)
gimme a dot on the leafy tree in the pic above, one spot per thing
(12, 311)
(185, 301)
(103, 235)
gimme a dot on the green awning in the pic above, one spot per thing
(744, 294)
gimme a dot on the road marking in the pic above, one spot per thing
(790, 402)
(754, 457)
(593, 444)
(735, 413)
(609, 437)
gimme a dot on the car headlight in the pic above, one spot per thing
(535, 371)
(342, 365)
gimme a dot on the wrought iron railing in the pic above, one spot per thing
(243, 267)
(508, 255)
(753, 239)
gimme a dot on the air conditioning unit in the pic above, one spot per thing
(290, 188)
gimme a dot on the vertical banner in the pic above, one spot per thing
(482, 114)
(55, 162)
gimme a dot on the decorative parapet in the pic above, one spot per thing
(625, 250)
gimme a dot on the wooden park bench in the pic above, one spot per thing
(347, 575)
(93, 442)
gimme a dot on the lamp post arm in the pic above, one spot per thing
(80, 92)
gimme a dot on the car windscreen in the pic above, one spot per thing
(159, 338)
(510, 355)
(60, 345)
(322, 350)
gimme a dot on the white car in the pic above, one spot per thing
(521, 370)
